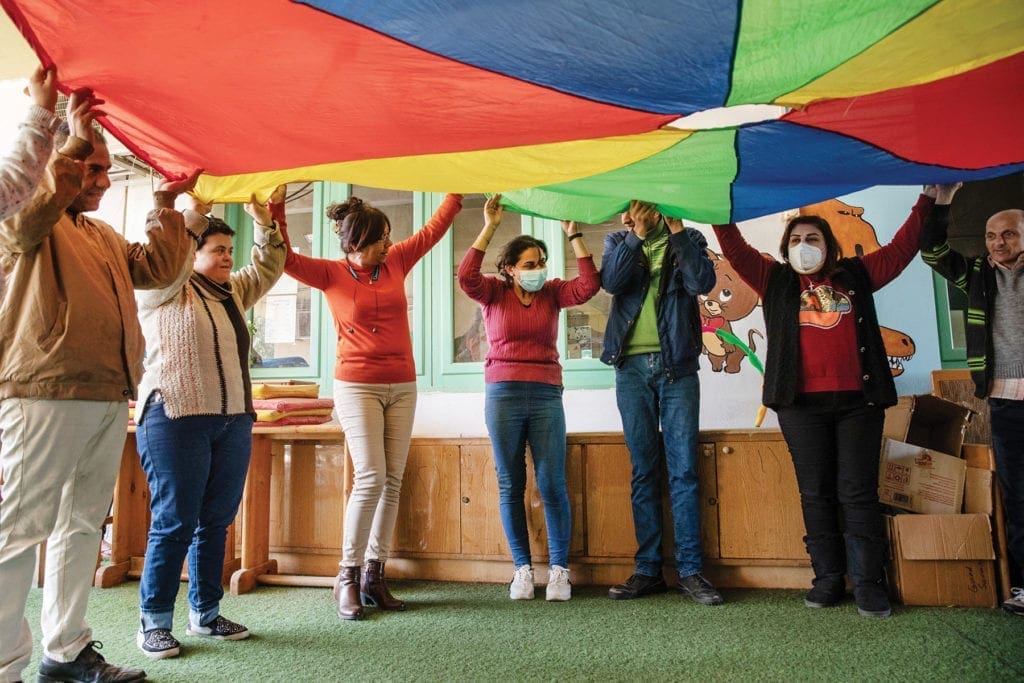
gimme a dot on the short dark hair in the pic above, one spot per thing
(214, 226)
(357, 223)
(833, 252)
(510, 253)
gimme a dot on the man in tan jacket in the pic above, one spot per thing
(70, 358)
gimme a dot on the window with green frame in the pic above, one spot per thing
(293, 333)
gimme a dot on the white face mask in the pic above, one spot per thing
(533, 280)
(805, 259)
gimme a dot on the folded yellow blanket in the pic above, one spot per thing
(285, 389)
(274, 415)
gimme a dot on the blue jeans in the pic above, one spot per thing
(196, 470)
(647, 398)
(517, 414)
(1008, 445)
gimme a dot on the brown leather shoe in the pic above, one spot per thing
(346, 592)
(374, 590)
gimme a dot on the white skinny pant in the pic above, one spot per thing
(377, 421)
(59, 462)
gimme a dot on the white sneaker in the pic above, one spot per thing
(559, 586)
(522, 583)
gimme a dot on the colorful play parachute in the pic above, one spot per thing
(714, 109)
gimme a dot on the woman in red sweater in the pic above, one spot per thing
(828, 378)
(375, 380)
(524, 386)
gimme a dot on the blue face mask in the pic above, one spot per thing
(533, 280)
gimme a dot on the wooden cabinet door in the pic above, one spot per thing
(429, 509)
(758, 502)
(609, 514)
(482, 533)
(308, 494)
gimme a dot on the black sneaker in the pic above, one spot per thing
(699, 589)
(872, 601)
(827, 592)
(158, 643)
(637, 586)
(88, 667)
(219, 629)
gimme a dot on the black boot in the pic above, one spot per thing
(346, 592)
(828, 559)
(867, 573)
(374, 591)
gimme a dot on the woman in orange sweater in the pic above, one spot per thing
(375, 380)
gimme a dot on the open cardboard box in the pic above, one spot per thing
(920, 480)
(928, 421)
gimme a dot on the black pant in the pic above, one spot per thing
(1008, 444)
(835, 440)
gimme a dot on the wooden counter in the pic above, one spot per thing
(290, 519)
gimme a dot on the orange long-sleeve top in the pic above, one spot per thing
(371, 314)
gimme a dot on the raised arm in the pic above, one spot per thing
(22, 169)
(471, 280)
(268, 252)
(934, 241)
(584, 286)
(752, 265)
(692, 261)
(412, 249)
(887, 263)
(61, 182)
(166, 258)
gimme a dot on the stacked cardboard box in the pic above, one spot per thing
(942, 554)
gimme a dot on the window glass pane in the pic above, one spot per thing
(470, 339)
(281, 338)
(584, 325)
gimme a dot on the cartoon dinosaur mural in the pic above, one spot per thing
(731, 300)
(857, 237)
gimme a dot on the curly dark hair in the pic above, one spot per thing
(510, 253)
(357, 223)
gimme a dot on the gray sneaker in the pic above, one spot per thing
(699, 589)
(218, 629)
(1015, 603)
(158, 643)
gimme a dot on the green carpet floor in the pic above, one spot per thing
(473, 632)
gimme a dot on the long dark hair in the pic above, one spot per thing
(833, 252)
(510, 253)
(357, 223)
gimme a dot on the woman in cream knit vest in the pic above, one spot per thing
(195, 421)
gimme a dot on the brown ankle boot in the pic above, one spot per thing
(374, 590)
(346, 592)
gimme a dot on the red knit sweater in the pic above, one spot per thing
(523, 339)
(828, 336)
(371, 317)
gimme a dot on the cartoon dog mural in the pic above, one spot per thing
(857, 237)
(731, 300)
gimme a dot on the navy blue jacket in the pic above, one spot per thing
(686, 272)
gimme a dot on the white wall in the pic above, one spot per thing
(730, 401)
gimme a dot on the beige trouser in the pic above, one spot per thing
(59, 461)
(377, 421)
